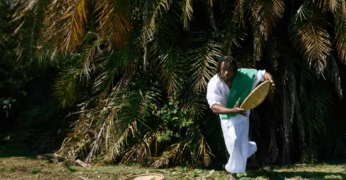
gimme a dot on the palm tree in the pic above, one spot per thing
(138, 71)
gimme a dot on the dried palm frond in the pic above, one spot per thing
(174, 152)
(265, 14)
(187, 12)
(30, 16)
(74, 20)
(23, 7)
(90, 52)
(204, 151)
(112, 22)
(241, 11)
(115, 148)
(327, 4)
(142, 150)
(154, 9)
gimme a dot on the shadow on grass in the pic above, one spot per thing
(272, 175)
(9, 149)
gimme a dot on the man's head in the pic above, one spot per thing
(227, 68)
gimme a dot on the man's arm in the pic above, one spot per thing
(214, 98)
(218, 109)
(261, 76)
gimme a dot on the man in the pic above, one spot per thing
(226, 90)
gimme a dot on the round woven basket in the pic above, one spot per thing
(146, 177)
(257, 96)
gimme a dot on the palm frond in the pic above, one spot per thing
(265, 14)
(166, 32)
(115, 146)
(153, 11)
(327, 4)
(110, 65)
(194, 102)
(30, 15)
(171, 67)
(339, 13)
(77, 72)
(173, 153)
(203, 65)
(23, 7)
(91, 51)
(187, 12)
(110, 123)
(231, 36)
(317, 109)
(142, 150)
(204, 151)
(74, 20)
(112, 22)
(309, 37)
(65, 87)
(133, 112)
(240, 11)
(52, 26)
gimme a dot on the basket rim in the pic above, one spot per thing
(263, 95)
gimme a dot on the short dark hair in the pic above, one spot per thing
(225, 59)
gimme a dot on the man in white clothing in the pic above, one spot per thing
(226, 90)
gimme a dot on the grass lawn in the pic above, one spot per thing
(21, 168)
(16, 164)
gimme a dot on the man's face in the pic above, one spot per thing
(226, 71)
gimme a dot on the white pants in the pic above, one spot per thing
(235, 132)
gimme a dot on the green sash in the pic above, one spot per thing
(240, 89)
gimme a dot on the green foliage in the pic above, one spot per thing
(174, 117)
(6, 105)
(126, 80)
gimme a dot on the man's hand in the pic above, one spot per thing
(268, 77)
(238, 110)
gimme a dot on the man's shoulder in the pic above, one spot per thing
(214, 79)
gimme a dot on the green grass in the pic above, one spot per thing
(22, 168)
(18, 164)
